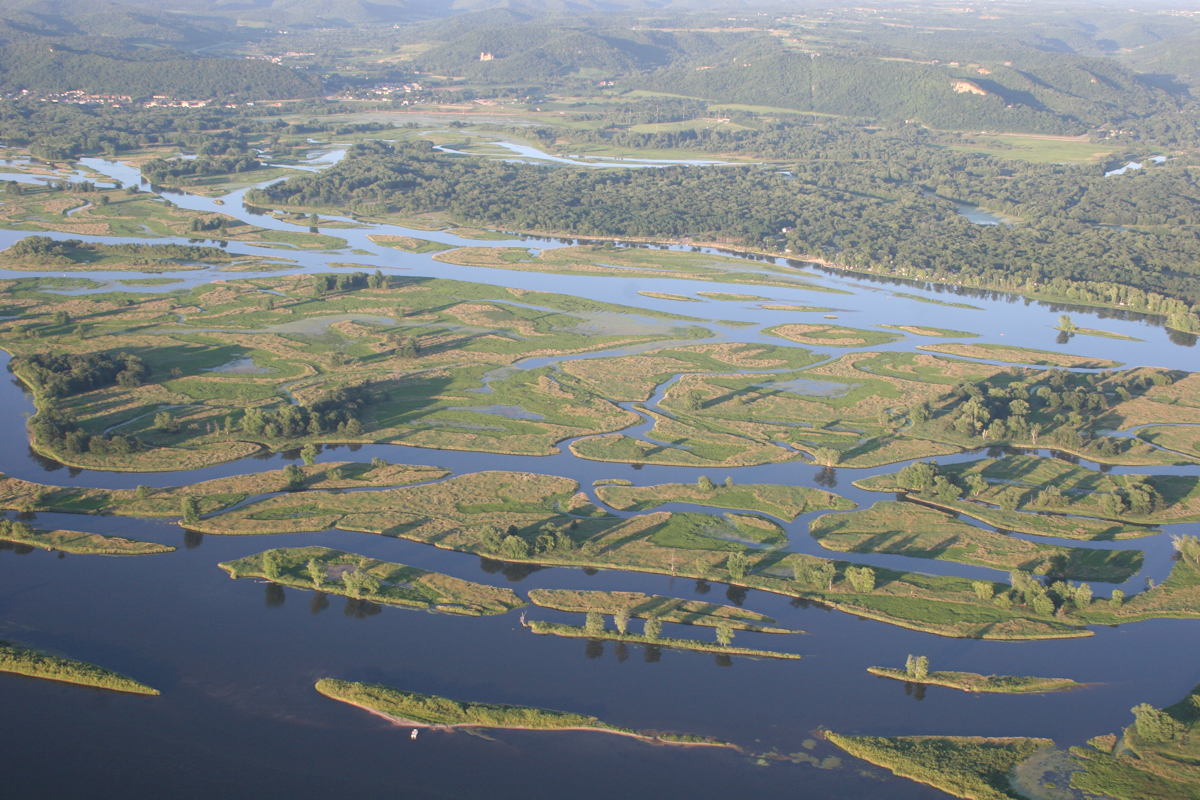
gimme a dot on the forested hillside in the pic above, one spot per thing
(846, 213)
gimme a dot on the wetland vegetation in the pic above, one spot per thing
(441, 712)
(964, 766)
(34, 664)
(321, 569)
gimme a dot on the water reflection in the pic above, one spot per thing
(320, 602)
(275, 595)
(736, 595)
(595, 648)
(702, 586)
(652, 654)
(622, 651)
(515, 573)
(915, 690)
(590, 571)
(724, 660)
(361, 609)
(192, 539)
(827, 477)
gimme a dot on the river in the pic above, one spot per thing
(236, 660)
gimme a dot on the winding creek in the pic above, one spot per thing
(236, 660)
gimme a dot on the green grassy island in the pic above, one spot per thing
(971, 767)
(350, 575)
(785, 502)
(77, 542)
(576, 632)
(990, 684)
(426, 710)
(665, 609)
(925, 330)
(24, 661)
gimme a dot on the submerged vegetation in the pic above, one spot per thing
(31, 663)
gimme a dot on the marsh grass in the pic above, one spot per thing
(990, 684)
(664, 609)
(964, 766)
(914, 530)
(31, 663)
(398, 584)
(573, 632)
(785, 502)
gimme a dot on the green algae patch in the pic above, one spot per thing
(970, 767)
(350, 575)
(575, 632)
(426, 710)
(914, 530)
(31, 663)
(636, 605)
(990, 684)
(785, 502)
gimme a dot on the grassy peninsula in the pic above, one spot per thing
(1154, 757)
(990, 684)
(441, 712)
(24, 661)
(964, 766)
(359, 577)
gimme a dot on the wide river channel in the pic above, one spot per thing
(236, 660)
